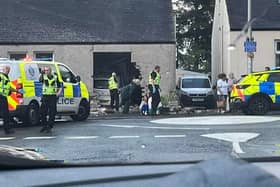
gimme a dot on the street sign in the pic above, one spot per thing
(250, 46)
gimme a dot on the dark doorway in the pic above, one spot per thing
(106, 63)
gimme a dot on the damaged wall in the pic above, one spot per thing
(80, 58)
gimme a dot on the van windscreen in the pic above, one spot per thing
(195, 83)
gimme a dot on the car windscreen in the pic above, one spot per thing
(195, 83)
(101, 84)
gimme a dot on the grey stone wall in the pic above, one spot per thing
(80, 58)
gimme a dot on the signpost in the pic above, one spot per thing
(250, 46)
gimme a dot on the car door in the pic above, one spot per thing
(272, 87)
(70, 98)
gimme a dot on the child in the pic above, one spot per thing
(144, 108)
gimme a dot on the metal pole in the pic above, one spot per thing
(250, 57)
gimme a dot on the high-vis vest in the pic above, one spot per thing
(112, 83)
(5, 85)
(49, 85)
(157, 79)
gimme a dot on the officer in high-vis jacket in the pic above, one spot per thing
(114, 91)
(51, 89)
(154, 88)
(5, 91)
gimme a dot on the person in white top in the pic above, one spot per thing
(222, 92)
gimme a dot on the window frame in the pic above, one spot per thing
(44, 52)
(24, 53)
(72, 80)
(275, 73)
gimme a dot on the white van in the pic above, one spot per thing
(196, 90)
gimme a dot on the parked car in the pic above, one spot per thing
(257, 93)
(196, 90)
(101, 90)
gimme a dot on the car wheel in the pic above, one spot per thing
(32, 116)
(83, 113)
(258, 105)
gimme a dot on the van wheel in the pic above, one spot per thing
(83, 113)
(32, 115)
(258, 105)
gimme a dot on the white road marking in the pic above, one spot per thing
(155, 127)
(170, 136)
(235, 138)
(8, 138)
(114, 137)
(39, 138)
(80, 137)
(216, 120)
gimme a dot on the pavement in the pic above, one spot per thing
(153, 139)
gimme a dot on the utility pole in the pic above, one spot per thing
(250, 55)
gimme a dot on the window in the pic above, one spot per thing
(277, 53)
(44, 56)
(33, 71)
(274, 77)
(17, 56)
(66, 74)
(14, 71)
(195, 83)
(101, 83)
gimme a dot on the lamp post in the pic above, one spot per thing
(250, 55)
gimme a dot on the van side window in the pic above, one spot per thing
(32, 72)
(42, 66)
(66, 74)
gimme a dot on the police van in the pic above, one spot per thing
(73, 101)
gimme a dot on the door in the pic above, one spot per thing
(71, 93)
(272, 87)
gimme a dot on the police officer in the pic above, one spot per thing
(50, 92)
(154, 88)
(5, 90)
(114, 91)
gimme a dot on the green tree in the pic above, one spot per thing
(194, 28)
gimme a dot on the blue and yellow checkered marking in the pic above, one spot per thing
(267, 87)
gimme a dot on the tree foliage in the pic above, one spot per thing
(194, 28)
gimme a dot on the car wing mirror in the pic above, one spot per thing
(78, 78)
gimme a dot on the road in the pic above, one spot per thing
(148, 139)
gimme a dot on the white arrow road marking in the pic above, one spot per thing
(235, 138)
(7, 138)
(114, 137)
(170, 136)
(39, 138)
(155, 127)
(80, 137)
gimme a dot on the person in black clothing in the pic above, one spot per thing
(154, 88)
(50, 93)
(5, 91)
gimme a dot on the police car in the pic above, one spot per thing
(74, 99)
(257, 93)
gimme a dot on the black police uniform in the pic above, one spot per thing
(48, 106)
(4, 110)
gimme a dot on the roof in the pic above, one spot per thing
(266, 11)
(86, 21)
(186, 73)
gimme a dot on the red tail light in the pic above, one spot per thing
(19, 86)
